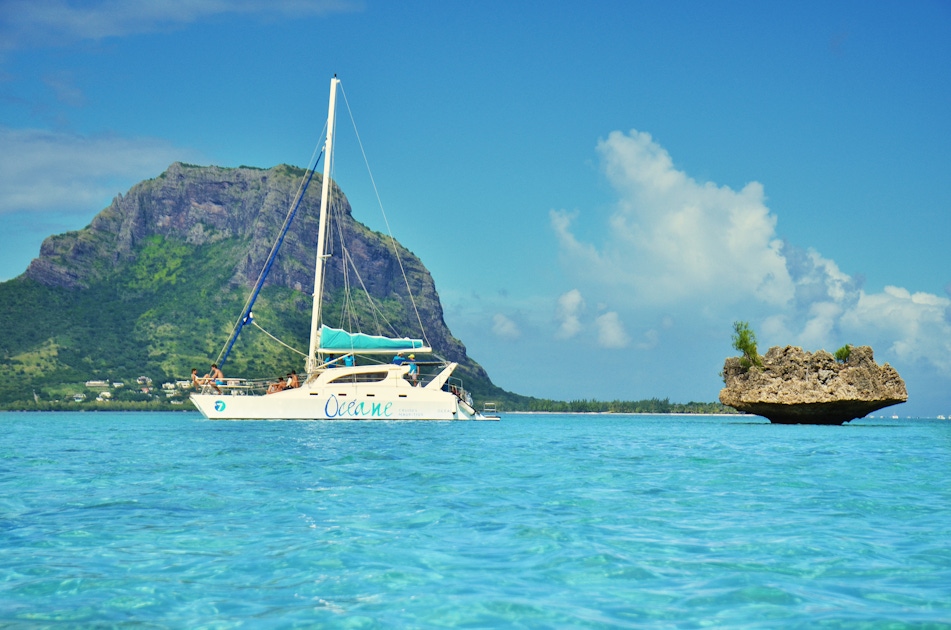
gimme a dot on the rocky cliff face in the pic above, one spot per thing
(193, 204)
(201, 205)
(798, 387)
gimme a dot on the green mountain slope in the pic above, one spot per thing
(152, 287)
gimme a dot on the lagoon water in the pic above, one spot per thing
(540, 521)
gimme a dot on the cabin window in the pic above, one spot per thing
(361, 377)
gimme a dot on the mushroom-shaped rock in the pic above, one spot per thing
(798, 387)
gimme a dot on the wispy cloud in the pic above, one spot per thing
(31, 23)
(713, 254)
(65, 89)
(505, 328)
(650, 340)
(44, 170)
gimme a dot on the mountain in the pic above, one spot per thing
(153, 286)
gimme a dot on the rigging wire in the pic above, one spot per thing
(245, 316)
(328, 247)
(349, 315)
(386, 221)
(291, 348)
(376, 312)
(347, 304)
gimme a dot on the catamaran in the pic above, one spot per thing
(349, 375)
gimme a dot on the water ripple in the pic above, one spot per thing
(168, 521)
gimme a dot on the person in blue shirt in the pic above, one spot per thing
(413, 368)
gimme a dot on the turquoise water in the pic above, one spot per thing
(168, 520)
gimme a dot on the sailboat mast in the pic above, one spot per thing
(322, 230)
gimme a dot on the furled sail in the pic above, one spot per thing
(333, 340)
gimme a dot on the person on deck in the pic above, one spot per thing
(398, 359)
(197, 382)
(292, 380)
(277, 387)
(413, 369)
(215, 377)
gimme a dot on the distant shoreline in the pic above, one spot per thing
(619, 413)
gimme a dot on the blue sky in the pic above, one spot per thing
(599, 189)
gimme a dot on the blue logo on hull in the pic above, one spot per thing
(219, 406)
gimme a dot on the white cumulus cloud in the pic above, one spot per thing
(712, 254)
(673, 238)
(917, 325)
(568, 312)
(611, 333)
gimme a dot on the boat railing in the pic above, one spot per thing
(454, 386)
(427, 371)
(236, 387)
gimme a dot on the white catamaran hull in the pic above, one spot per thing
(303, 404)
(339, 394)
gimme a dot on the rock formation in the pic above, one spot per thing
(798, 387)
(199, 205)
(240, 211)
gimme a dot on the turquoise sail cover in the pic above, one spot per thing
(334, 339)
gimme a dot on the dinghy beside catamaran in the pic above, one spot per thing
(349, 375)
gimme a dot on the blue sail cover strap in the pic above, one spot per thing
(336, 340)
(246, 314)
